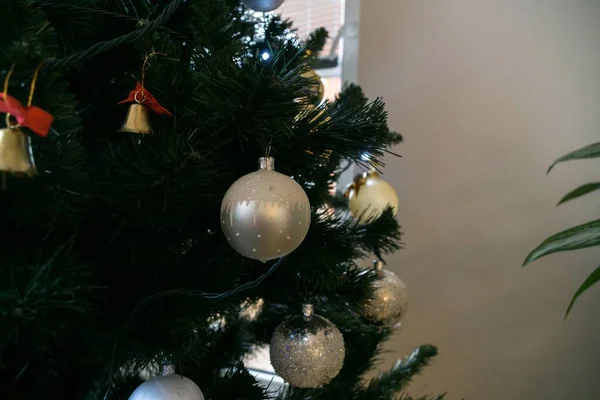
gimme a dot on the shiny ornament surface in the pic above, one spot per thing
(389, 299)
(15, 152)
(263, 5)
(307, 350)
(369, 195)
(167, 387)
(265, 215)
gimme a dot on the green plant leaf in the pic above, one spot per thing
(589, 281)
(578, 237)
(591, 151)
(580, 191)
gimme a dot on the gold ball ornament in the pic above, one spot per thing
(265, 215)
(317, 88)
(389, 299)
(307, 350)
(369, 195)
(167, 387)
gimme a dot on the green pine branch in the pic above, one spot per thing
(389, 383)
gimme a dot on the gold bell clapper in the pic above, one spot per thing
(137, 120)
(15, 151)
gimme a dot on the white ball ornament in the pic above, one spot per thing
(263, 5)
(369, 195)
(265, 215)
(167, 387)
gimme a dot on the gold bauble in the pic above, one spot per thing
(389, 300)
(369, 195)
(307, 350)
(317, 89)
(265, 215)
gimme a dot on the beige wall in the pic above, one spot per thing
(487, 94)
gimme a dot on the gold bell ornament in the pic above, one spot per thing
(137, 119)
(15, 148)
(369, 195)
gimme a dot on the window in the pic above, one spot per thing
(308, 15)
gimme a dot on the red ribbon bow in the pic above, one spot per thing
(146, 98)
(34, 118)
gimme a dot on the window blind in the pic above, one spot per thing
(308, 15)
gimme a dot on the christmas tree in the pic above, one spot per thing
(120, 259)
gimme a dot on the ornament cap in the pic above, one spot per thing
(266, 163)
(377, 265)
(308, 310)
(372, 173)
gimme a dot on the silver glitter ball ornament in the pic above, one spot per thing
(263, 5)
(265, 215)
(307, 350)
(167, 387)
(389, 299)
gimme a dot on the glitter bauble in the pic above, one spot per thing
(263, 5)
(389, 300)
(265, 215)
(369, 195)
(167, 387)
(307, 350)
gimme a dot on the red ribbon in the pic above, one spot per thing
(34, 118)
(146, 98)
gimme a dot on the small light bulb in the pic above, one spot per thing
(265, 55)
